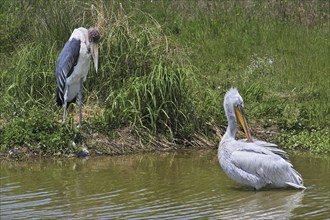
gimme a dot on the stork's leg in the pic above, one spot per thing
(65, 105)
(64, 113)
(80, 101)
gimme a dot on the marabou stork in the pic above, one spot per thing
(72, 67)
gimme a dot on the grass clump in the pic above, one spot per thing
(316, 141)
(159, 102)
(29, 83)
(37, 134)
(148, 90)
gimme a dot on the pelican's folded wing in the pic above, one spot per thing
(270, 146)
(259, 162)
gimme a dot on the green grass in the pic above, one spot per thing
(36, 134)
(159, 102)
(164, 68)
(276, 57)
(316, 141)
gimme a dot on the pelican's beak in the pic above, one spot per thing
(95, 54)
(241, 118)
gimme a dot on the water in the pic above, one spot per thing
(185, 185)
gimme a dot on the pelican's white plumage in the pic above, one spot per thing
(251, 162)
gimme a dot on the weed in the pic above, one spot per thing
(40, 134)
(317, 141)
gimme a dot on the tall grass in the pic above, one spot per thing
(30, 81)
(164, 66)
(141, 83)
(159, 102)
(275, 52)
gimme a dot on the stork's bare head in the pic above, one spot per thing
(93, 38)
(93, 35)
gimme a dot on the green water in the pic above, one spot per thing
(167, 185)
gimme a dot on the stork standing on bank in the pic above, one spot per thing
(252, 162)
(72, 67)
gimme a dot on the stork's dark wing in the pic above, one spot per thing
(65, 64)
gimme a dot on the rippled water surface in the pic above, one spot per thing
(168, 185)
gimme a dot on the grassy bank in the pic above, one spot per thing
(164, 68)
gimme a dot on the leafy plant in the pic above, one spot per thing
(317, 141)
(39, 133)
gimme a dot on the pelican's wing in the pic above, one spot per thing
(270, 146)
(65, 64)
(259, 162)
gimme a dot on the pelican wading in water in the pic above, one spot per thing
(72, 67)
(251, 162)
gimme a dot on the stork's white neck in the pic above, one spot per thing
(81, 34)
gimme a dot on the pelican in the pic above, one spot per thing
(252, 162)
(72, 67)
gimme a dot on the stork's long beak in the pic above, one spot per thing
(241, 118)
(95, 54)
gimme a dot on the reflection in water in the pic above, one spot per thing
(262, 205)
(168, 185)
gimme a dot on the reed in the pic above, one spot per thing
(159, 102)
